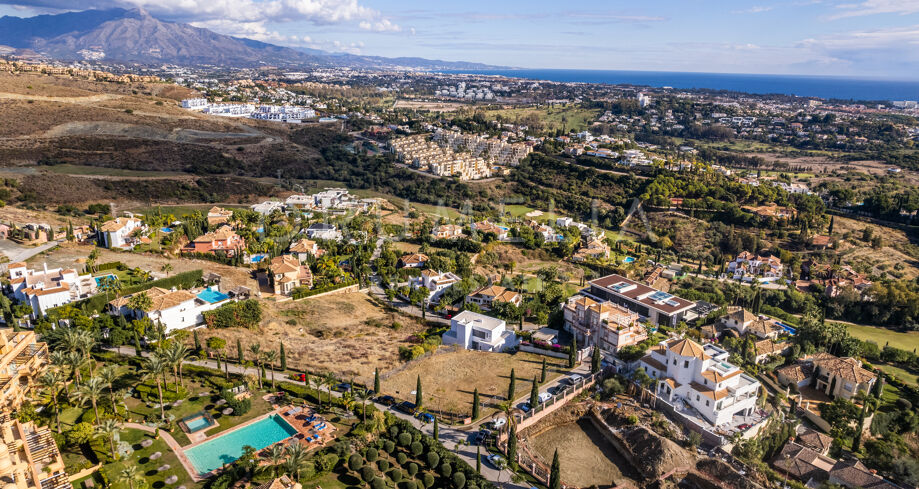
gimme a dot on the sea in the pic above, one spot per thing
(827, 87)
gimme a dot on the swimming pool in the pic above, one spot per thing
(628, 259)
(257, 258)
(102, 277)
(212, 296)
(787, 328)
(198, 421)
(166, 230)
(226, 448)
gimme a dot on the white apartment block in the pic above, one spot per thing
(494, 150)
(194, 103)
(283, 113)
(45, 289)
(688, 373)
(426, 155)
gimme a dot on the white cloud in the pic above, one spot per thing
(382, 25)
(872, 7)
(757, 9)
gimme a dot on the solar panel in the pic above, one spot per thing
(618, 287)
(660, 296)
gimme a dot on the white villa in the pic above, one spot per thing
(748, 266)
(174, 309)
(687, 372)
(436, 283)
(45, 289)
(321, 230)
(474, 331)
(117, 232)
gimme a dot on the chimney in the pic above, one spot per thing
(45, 266)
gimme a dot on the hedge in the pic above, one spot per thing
(112, 265)
(301, 294)
(96, 303)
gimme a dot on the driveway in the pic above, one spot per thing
(18, 253)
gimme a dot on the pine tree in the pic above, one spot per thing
(197, 343)
(542, 375)
(534, 394)
(595, 360)
(512, 386)
(418, 397)
(573, 353)
(376, 380)
(512, 448)
(475, 404)
(555, 476)
(282, 358)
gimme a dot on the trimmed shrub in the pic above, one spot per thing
(446, 469)
(378, 483)
(433, 459)
(459, 480)
(383, 464)
(408, 485)
(405, 439)
(371, 455)
(367, 473)
(389, 446)
(148, 392)
(401, 458)
(396, 475)
(412, 469)
(428, 479)
(416, 448)
(355, 462)
(393, 431)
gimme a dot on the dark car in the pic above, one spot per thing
(425, 417)
(480, 437)
(386, 400)
(406, 407)
(343, 387)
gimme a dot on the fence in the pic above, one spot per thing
(558, 400)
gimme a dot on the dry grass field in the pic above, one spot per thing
(449, 377)
(586, 457)
(348, 334)
(898, 257)
(430, 106)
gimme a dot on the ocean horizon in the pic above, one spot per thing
(827, 87)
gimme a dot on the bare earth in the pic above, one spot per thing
(449, 377)
(585, 456)
(347, 334)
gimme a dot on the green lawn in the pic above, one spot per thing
(148, 468)
(884, 336)
(902, 374)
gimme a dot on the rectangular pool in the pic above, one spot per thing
(226, 448)
(212, 296)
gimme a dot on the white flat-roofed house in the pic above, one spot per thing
(267, 207)
(174, 309)
(657, 306)
(435, 282)
(687, 372)
(474, 331)
(117, 232)
(321, 230)
(47, 288)
(194, 103)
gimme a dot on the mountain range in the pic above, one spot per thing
(135, 36)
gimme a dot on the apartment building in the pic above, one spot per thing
(423, 154)
(47, 288)
(29, 457)
(656, 306)
(494, 150)
(688, 373)
(22, 358)
(603, 324)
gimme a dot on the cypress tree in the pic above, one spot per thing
(534, 394)
(512, 386)
(283, 358)
(573, 353)
(512, 448)
(832, 221)
(555, 476)
(136, 344)
(436, 431)
(595, 360)
(475, 404)
(376, 380)
(542, 375)
(306, 378)
(197, 343)
(878, 389)
(418, 397)
(240, 359)
(478, 460)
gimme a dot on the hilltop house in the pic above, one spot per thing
(117, 232)
(486, 296)
(224, 239)
(287, 274)
(656, 306)
(834, 376)
(748, 266)
(502, 232)
(608, 325)
(447, 231)
(685, 371)
(174, 309)
(745, 322)
(474, 331)
(218, 215)
(305, 248)
(45, 289)
(412, 260)
(321, 230)
(435, 282)
(595, 250)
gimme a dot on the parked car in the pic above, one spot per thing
(480, 437)
(743, 426)
(524, 406)
(342, 387)
(497, 461)
(544, 397)
(406, 407)
(499, 423)
(575, 378)
(426, 417)
(386, 400)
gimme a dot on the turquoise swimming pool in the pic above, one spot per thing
(212, 296)
(226, 448)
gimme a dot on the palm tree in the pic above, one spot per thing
(154, 368)
(51, 382)
(109, 374)
(175, 356)
(318, 382)
(329, 381)
(91, 259)
(124, 394)
(296, 458)
(166, 268)
(276, 457)
(130, 475)
(60, 360)
(91, 391)
(256, 350)
(364, 395)
(108, 429)
(270, 357)
(108, 284)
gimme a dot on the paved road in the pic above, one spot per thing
(450, 437)
(19, 253)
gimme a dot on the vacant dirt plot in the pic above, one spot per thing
(432, 106)
(585, 456)
(347, 334)
(449, 377)
(898, 257)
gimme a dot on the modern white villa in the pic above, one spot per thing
(435, 282)
(47, 288)
(686, 372)
(474, 331)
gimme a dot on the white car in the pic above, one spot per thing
(496, 460)
(544, 397)
(499, 423)
(574, 379)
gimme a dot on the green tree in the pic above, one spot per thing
(283, 358)
(475, 404)
(555, 473)
(376, 380)
(217, 345)
(542, 374)
(108, 429)
(153, 369)
(512, 386)
(131, 476)
(534, 394)
(240, 357)
(595, 360)
(419, 399)
(90, 391)
(512, 448)
(573, 353)
(51, 382)
(436, 431)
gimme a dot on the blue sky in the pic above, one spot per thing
(869, 38)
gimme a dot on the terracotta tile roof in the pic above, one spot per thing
(814, 440)
(709, 392)
(117, 223)
(164, 299)
(18, 264)
(507, 296)
(490, 290)
(796, 372)
(413, 258)
(762, 327)
(846, 368)
(672, 383)
(802, 463)
(853, 473)
(716, 376)
(654, 363)
(742, 315)
(303, 246)
(768, 347)
(284, 264)
(687, 348)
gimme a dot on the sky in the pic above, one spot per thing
(863, 38)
